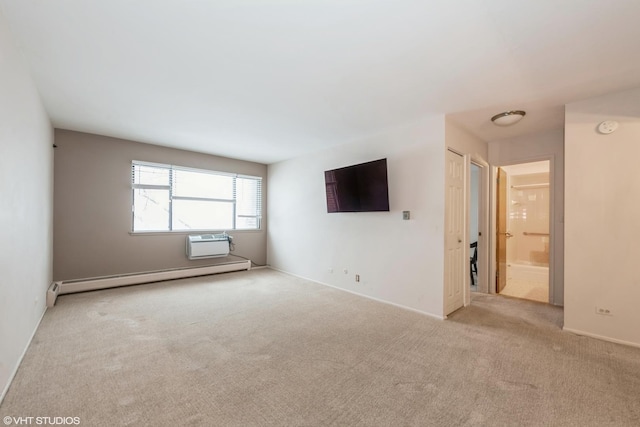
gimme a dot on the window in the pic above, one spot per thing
(173, 198)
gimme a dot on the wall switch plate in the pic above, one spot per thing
(406, 215)
(357, 277)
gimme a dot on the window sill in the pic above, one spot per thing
(187, 232)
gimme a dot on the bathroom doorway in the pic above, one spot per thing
(523, 231)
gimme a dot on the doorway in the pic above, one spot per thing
(474, 224)
(523, 231)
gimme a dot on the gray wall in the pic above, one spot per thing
(26, 194)
(92, 208)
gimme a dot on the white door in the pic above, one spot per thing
(455, 255)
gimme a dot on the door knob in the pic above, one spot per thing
(507, 234)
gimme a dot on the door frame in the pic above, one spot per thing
(483, 223)
(503, 183)
(493, 225)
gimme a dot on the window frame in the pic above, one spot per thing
(170, 188)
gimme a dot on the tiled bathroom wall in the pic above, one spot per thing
(529, 219)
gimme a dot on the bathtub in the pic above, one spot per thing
(528, 274)
(527, 281)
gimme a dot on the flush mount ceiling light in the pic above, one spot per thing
(508, 118)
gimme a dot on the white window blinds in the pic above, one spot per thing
(174, 198)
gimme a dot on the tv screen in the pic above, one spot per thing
(358, 188)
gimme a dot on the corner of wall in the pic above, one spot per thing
(26, 171)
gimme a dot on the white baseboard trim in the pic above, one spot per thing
(601, 337)
(24, 352)
(404, 307)
(96, 283)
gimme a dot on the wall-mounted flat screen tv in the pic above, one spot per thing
(358, 188)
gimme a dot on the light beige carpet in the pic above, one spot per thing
(264, 348)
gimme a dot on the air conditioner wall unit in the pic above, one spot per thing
(207, 246)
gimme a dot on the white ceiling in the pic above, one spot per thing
(267, 80)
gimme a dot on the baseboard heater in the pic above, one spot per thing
(96, 283)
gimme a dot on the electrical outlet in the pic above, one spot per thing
(357, 277)
(603, 311)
